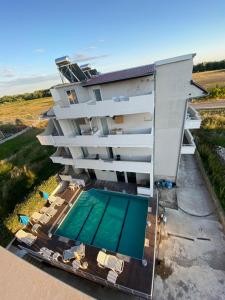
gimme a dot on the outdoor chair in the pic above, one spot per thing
(35, 227)
(25, 237)
(77, 252)
(110, 261)
(112, 276)
(42, 218)
(56, 256)
(58, 201)
(46, 253)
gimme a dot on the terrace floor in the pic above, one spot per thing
(135, 278)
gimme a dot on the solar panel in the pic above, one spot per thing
(72, 72)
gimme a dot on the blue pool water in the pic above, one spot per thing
(109, 220)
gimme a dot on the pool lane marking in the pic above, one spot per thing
(92, 241)
(121, 231)
(76, 238)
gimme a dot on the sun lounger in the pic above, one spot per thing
(36, 216)
(74, 252)
(35, 227)
(50, 211)
(110, 261)
(76, 264)
(44, 210)
(44, 219)
(56, 256)
(46, 253)
(25, 237)
(56, 200)
(112, 276)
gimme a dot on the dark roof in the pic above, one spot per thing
(121, 75)
(200, 87)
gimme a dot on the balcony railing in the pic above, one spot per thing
(113, 107)
(193, 119)
(188, 146)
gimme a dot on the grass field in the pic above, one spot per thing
(210, 79)
(25, 111)
(25, 165)
(211, 135)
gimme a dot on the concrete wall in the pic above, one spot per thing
(106, 175)
(102, 151)
(135, 123)
(133, 154)
(171, 91)
(132, 87)
(140, 177)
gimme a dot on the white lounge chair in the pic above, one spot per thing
(25, 237)
(46, 253)
(58, 201)
(110, 261)
(43, 210)
(74, 252)
(50, 211)
(36, 216)
(76, 264)
(35, 227)
(42, 218)
(112, 276)
(56, 256)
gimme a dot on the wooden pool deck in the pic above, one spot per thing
(135, 279)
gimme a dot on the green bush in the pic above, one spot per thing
(211, 135)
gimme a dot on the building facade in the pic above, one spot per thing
(124, 126)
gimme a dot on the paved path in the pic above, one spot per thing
(209, 105)
(194, 250)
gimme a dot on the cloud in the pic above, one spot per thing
(39, 50)
(92, 47)
(80, 57)
(28, 80)
(28, 83)
(7, 73)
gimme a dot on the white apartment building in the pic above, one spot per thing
(124, 126)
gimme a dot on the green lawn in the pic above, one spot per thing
(24, 164)
(211, 135)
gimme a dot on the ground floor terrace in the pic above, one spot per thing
(136, 251)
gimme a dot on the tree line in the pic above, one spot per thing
(209, 66)
(26, 96)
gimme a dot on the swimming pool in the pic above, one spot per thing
(110, 220)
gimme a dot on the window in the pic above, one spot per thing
(72, 97)
(97, 94)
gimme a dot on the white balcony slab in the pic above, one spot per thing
(110, 165)
(123, 140)
(117, 140)
(192, 124)
(189, 147)
(136, 104)
(193, 119)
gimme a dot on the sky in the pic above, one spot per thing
(111, 35)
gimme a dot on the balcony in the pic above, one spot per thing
(193, 119)
(69, 175)
(114, 107)
(188, 146)
(62, 157)
(93, 162)
(140, 140)
(114, 165)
